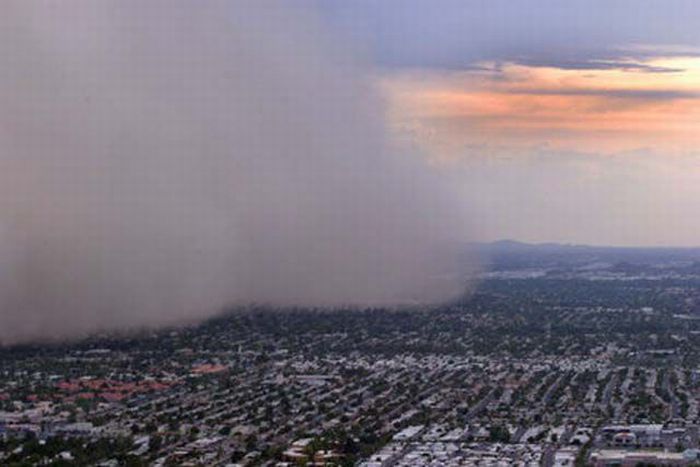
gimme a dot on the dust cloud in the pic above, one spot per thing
(161, 160)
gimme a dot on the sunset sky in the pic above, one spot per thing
(620, 106)
(574, 121)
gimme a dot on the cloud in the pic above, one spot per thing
(596, 64)
(163, 160)
(599, 111)
(453, 34)
(641, 94)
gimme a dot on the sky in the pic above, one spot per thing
(574, 121)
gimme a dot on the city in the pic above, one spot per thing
(333, 233)
(560, 356)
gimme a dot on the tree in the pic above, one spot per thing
(499, 434)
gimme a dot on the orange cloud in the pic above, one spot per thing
(619, 107)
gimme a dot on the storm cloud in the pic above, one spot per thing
(162, 160)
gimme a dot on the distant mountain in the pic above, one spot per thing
(508, 243)
(513, 254)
